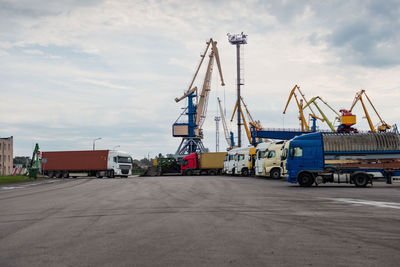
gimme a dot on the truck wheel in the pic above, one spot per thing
(233, 172)
(111, 174)
(245, 172)
(189, 172)
(65, 175)
(275, 173)
(59, 174)
(98, 175)
(305, 179)
(51, 175)
(360, 180)
(212, 172)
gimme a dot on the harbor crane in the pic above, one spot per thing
(303, 122)
(228, 134)
(252, 122)
(314, 101)
(383, 127)
(196, 110)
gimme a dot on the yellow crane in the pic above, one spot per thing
(314, 101)
(252, 122)
(358, 97)
(303, 122)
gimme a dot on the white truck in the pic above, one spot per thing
(261, 151)
(274, 163)
(97, 163)
(230, 163)
(242, 159)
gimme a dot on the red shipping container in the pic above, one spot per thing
(90, 160)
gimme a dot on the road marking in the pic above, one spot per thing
(26, 185)
(380, 204)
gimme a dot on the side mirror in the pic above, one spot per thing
(291, 153)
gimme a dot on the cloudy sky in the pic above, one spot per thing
(72, 70)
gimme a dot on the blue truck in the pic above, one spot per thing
(357, 159)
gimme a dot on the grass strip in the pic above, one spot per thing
(16, 179)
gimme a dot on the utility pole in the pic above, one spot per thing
(94, 142)
(237, 40)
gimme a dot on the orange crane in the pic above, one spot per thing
(383, 125)
(303, 122)
(252, 122)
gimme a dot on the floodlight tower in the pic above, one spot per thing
(238, 39)
(217, 119)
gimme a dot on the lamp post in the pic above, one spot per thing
(94, 140)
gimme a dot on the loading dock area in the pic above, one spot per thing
(198, 221)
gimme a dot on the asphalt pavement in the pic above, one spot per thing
(198, 221)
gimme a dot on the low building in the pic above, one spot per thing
(6, 156)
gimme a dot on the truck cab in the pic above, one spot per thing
(261, 151)
(189, 164)
(305, 154)
(230, 163)
(242, 161)
(272, 166)
(119, 164)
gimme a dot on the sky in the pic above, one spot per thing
(72, 71)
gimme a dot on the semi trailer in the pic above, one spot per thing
(343, 158)
(97, 163)
(210, 163)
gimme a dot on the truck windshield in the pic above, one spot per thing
(124, 160)
(262, 154)
(296, 152)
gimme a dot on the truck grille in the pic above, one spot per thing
(125, 169)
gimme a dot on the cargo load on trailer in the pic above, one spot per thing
(210, 163)
(343, 158)
(97, 163)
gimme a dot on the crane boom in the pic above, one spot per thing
(303, 122)
(313, 101)
(203, 101)
(246, 127)
(186, 94)
(226, 131)
(358, 97)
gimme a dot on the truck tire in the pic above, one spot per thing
(245, 172)
(275, 173)
(51, 174)
(98, 175)
(212, 172)
(361, 180)
(65, 174)
(189, 172)
(111, 174)
(233, 172)
(59, 174)
(305, 179)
